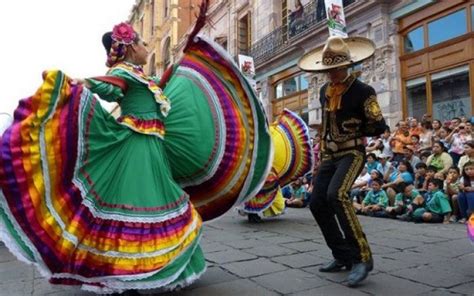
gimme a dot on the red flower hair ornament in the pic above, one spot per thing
(123, 33)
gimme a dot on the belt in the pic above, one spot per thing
(332, 147)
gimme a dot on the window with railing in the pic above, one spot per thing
(294, 25)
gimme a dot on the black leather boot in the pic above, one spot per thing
(254, 218)
(359, 272)
(335, 266)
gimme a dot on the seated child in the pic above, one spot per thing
(403, 200)
(436, 208)
(420, 174)
(375, 201)
(451, 188)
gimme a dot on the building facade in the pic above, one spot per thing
(422, 62)
(163, 24)
(436, 58)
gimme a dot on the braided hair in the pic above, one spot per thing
(115, 46)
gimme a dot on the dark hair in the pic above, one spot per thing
(469, 143)
(454, 168)
(440, 144)
(467, 179)
(438, 121)
(436, 182)
(387, 129)
(421, 165)
(425, 154)
(116, 51)
(427, 125)
(379, 174)
(431, 168)
(402, 186)
(378, 181)
(372, 155)
(408, 165)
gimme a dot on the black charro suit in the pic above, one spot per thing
(343, 157)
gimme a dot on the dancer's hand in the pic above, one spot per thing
(82, 81)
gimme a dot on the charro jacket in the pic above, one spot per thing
(358, 115)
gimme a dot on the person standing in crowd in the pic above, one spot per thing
(456, 139)
(400, 138)
(350, 112)
(437, 125)
(440, 159)
(426, 137)
(386, 139)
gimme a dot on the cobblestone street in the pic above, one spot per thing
(282, 255)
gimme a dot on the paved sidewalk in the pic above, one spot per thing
(282, 255)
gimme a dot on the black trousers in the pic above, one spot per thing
(330, 201)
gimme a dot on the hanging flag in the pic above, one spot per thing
(336, 19)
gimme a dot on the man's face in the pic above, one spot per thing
(337, 75)
(413, 122)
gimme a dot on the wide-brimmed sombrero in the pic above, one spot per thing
(337, 52)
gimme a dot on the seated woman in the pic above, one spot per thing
(440, 158)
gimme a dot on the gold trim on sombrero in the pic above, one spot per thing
(337, 52)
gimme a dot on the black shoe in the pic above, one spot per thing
(335, 266)
(359, 272)
(254, 218)
(405, 217)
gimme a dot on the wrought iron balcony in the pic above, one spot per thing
(283, 36)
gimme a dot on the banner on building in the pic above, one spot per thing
(247, 67)
(335, 18)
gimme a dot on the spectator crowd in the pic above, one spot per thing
(423, 171)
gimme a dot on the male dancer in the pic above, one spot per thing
(349, 112)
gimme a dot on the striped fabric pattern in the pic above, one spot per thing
(292, 159)
(147, 127)
(470, 228)
(44, 220)
(242, 150)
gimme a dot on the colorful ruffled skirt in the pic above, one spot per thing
(91, 202)
(292, 159)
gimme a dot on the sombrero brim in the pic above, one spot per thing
(360, 48)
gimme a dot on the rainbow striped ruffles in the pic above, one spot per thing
(144, 126)
(44, 218)
(240, 156)
(293, 158)
(470, 228)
